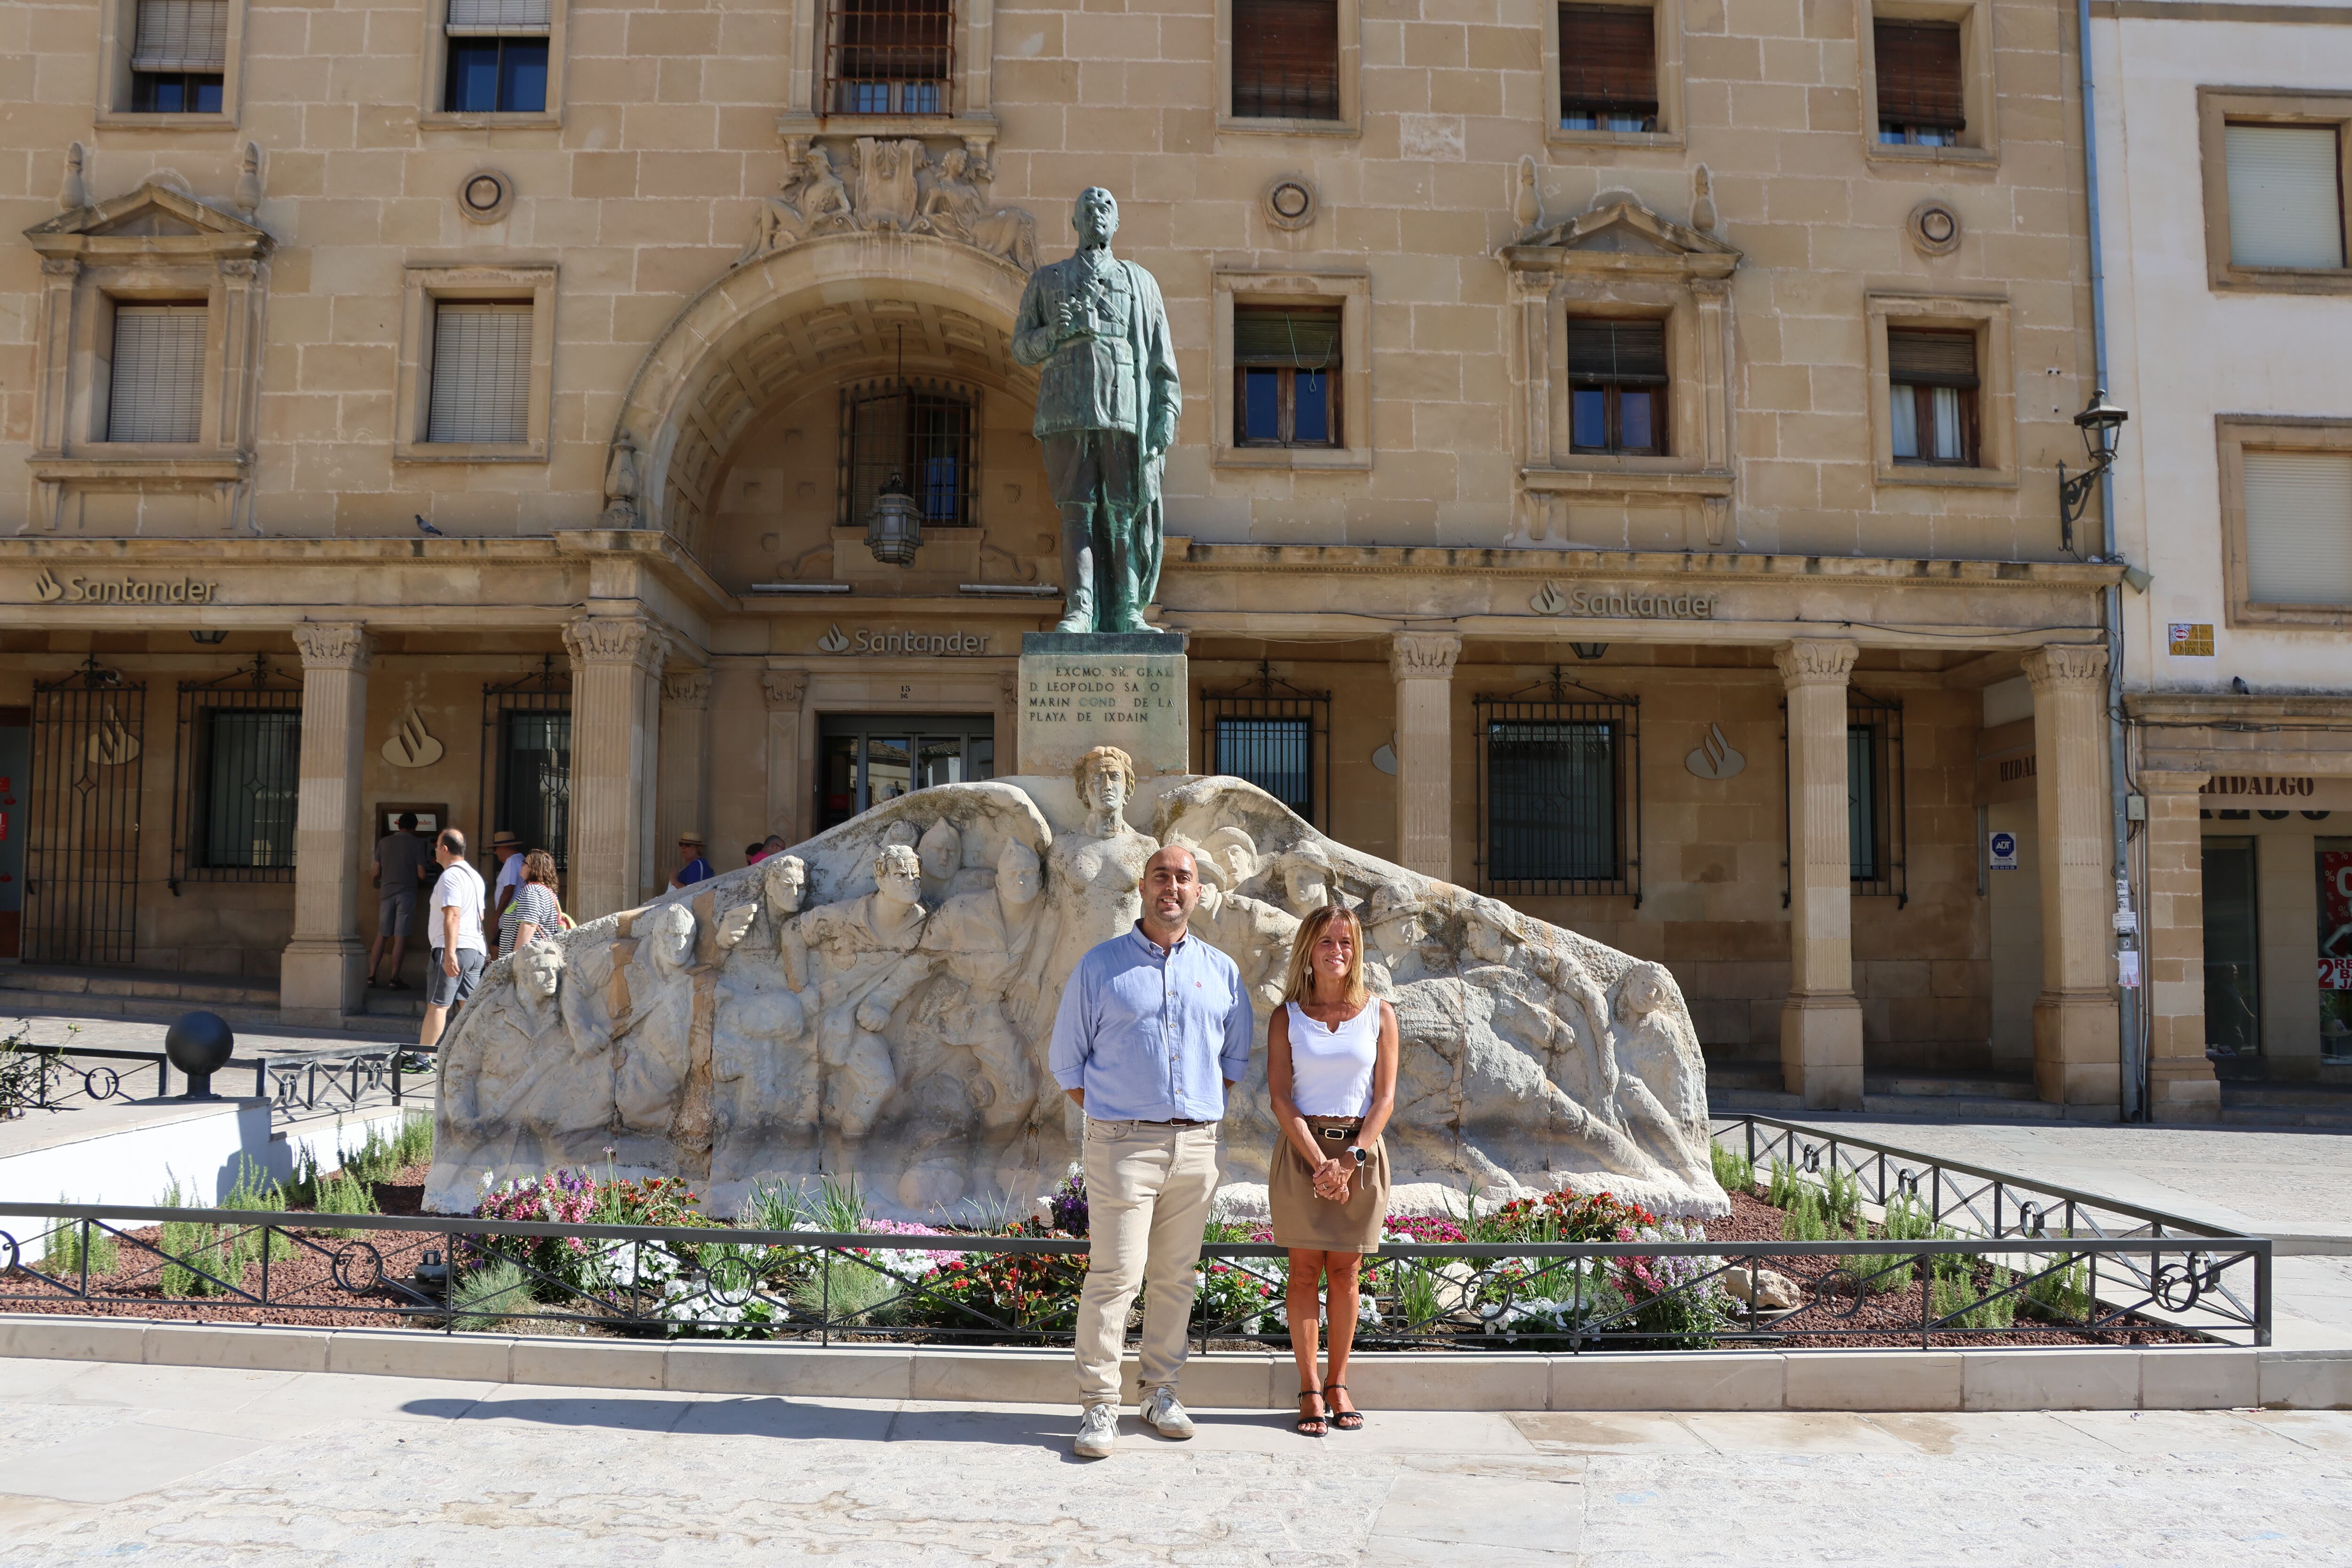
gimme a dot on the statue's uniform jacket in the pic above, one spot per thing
(1091, 383)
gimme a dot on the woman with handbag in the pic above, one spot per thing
(534, 913)
(1331, 1065)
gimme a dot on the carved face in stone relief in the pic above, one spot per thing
(1392, 920)
(1233, 855)
(1305, 880)
(1018, 876)
(1106, 777)
(670, 936)
(1646, 991)
(898, 875)
(539, 970)
(941, 851)
(785, 879)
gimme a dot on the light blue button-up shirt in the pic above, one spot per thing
(1152, 1035)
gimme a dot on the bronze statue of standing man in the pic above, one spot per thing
(1107, 406)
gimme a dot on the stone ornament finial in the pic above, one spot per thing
(1816, 662)
(621, 484)
(249, 181)
(1702, 198)
(73, 194)
(2059, 664)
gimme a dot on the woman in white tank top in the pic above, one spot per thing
(1331, 1068)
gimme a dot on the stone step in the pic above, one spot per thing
(1963, 1107)
(393, 1004)
(1973, 1085)
(154, 985)
(1749, 1074)
(1764, 1103)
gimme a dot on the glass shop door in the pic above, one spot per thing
(2234, 1008)
(865, 760)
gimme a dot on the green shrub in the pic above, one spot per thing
(484, 1298)
(344, 1194)
(302, 1188)
(66, 1240)
(1972, 1303)
(772, 1205)
(198, 1260)
(1734, 1172)
(255, 1191)
(2063, 1292)
(846, 1290)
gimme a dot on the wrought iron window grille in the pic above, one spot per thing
(81, 854)
(889, 57)
(1878, 843)
(1274, 734)
(924, 432)
(527, 764)
(237, 777)
(1559, 792)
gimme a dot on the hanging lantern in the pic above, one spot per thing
(894, 529)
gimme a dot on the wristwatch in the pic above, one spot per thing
(1360, 1156)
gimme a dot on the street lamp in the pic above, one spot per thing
(894, 529)
(2098, 422)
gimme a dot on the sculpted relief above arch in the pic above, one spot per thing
(896, 184)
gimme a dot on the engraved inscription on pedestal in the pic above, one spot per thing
(1078, 692)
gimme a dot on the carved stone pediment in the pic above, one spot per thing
(902, 184)
(156, 221)
(1619, 233)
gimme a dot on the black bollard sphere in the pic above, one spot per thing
(199, 1045)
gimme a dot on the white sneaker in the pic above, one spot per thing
(1164, 1411)
(1097, 1432)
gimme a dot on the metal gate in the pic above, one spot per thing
(81, 858)
(527, 764)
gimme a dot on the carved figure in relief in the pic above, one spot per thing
(813, 201)
(519, 1072)
(983, 940)
(954, 204)
(866, 960)
(1092, 873)
(652, 1036)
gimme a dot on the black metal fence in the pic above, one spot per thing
(60, 1076)
(2034, 1262)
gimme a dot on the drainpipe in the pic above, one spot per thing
(2131, 1060)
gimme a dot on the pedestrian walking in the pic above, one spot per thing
(1153, 1029)
(1331, 1070)
(508, 847)
(453, 923)
(398, 872)
(534, 913)
(692, 866)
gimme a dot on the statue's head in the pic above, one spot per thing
(940, 850)
(1647, 989)
(1306, 877)
(1229, 855)
(898, 875)
(1393, 917)
(671, 935)
(1106, 778)
(785, 879)
(539, 970)
(1096, 217)
(1018, 874)
(953, 161)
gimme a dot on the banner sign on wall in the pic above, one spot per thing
(2336, 920)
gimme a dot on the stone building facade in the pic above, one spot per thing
(1617, 469)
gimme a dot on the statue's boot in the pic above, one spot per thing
(1124, 611)
(1077, 569)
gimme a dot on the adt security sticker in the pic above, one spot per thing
(2004, 851)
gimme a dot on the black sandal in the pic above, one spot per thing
(1345, 1420)
(1310, 1426)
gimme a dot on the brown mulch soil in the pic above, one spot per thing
(303, 1292)
(1832, 1317)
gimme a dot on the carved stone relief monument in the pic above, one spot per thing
(876, 1005)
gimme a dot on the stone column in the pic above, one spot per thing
(323, 974)
(684, 766)
(1422, 664)
(616, 660)
(2075, 1019)
(788, 792)
(2182, 1085)
(1821, 1023)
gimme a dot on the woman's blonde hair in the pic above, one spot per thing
(1298, 984)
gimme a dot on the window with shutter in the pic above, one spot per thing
(498, 56)
(1286, 374)
(178, 53)
(920, 433)
(156, 391)
(1607, 68)
(2286, 201)
(481, 374)
(1285, 59)
(1931, 389)
(1617, 386)
(889, 57)
(1921, 89)
(2298, 527)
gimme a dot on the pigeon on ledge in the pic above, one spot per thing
(425, 527)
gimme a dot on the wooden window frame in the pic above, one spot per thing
(1286, 384)
(2218, 108)
(1995, 401)
(1350, 122)
(2234, 433)
(432, 116)
(1923, 415)
(423, 287)
(117, 34)
(1979, 138)
(1351, 394)
(1668, 57)
(1614, 391)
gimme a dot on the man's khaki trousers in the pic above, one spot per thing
(1149, 1191)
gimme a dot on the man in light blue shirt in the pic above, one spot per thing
(1154, 1027)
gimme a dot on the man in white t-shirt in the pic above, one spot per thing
(508, 847)
(453, 925)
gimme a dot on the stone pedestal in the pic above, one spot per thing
(1080, 691)
(2075, 1045)
(321, 976)
(1820, 1023)
(2181, 1085)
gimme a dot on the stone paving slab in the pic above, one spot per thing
(372, 1471)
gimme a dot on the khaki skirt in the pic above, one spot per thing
(1304, 1219)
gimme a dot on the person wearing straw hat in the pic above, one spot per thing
(508, 847)
(692, 866)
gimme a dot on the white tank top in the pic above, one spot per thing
(1332, 1068)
